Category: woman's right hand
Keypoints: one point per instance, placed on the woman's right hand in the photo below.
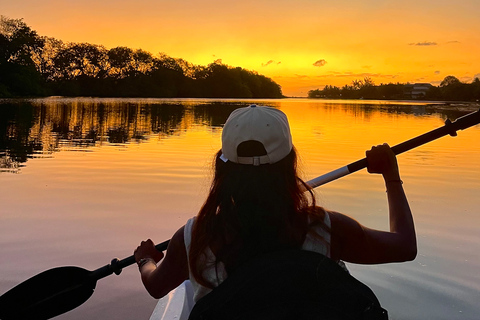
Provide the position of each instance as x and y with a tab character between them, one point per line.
381	159
146	249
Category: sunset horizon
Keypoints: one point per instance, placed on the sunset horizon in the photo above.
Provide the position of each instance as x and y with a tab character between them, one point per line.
302	46
332	144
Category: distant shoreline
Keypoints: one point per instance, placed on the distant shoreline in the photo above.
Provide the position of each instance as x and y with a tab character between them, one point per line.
462	106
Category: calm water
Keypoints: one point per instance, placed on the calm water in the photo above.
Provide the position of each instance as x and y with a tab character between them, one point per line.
85	180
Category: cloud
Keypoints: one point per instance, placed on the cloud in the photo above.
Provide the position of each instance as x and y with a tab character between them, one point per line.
476	76
320	63
269	62
437	72
424	43
454	41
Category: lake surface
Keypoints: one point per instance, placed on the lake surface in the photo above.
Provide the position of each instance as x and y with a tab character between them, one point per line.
84	180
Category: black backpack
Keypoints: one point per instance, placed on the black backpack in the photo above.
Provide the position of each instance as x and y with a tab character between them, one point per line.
293	284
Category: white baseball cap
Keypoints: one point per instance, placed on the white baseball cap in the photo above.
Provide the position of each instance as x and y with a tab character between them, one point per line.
266	125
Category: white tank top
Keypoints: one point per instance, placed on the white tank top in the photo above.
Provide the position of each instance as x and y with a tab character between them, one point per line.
316	240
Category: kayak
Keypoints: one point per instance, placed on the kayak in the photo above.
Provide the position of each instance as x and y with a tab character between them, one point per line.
175	305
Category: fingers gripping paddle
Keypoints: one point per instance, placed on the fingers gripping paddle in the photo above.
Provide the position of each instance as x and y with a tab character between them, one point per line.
57	290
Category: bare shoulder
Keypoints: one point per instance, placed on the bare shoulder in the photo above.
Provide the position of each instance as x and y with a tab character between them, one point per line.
341	221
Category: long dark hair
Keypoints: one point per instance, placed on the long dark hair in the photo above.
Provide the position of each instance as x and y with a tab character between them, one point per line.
249	211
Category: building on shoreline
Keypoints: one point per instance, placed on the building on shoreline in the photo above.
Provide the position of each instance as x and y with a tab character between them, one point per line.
416	90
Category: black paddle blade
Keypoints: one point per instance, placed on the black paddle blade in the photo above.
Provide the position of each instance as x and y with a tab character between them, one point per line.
47	294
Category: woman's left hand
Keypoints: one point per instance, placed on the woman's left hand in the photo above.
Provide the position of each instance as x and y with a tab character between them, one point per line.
146	249
381	159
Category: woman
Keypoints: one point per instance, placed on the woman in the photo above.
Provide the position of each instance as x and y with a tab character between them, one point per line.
257	204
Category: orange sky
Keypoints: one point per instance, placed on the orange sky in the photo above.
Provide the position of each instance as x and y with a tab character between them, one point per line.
302	44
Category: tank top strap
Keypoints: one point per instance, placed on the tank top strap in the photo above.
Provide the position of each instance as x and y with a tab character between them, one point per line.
318	237
187	233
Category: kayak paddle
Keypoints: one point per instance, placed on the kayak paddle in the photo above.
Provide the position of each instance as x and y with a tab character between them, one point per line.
57	290
62	289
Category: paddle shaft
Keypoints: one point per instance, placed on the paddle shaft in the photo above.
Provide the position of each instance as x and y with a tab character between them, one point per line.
450	128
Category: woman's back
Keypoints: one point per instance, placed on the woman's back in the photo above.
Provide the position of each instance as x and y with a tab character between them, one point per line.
317	239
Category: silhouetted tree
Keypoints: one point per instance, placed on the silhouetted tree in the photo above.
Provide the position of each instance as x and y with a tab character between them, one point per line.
451	88
350	91
120	59
391	91
315	93
77	60
449	81
142	62
44	59
18	43
329	92
367	89
30	64
476	89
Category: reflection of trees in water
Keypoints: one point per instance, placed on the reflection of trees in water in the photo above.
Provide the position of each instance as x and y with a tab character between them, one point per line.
7	164
38	128
90	124
166	119
15	146
42	127
366	110
214	114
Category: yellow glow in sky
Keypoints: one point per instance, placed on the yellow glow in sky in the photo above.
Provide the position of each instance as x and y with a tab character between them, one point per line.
302	44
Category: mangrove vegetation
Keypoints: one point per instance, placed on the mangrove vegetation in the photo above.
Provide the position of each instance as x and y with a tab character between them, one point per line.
35	65
450	89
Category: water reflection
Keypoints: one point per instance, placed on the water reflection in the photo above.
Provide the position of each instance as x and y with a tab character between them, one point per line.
148	169
30	129
38	128
366	109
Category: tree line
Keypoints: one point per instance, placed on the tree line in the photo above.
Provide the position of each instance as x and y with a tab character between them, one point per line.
450	89
34	65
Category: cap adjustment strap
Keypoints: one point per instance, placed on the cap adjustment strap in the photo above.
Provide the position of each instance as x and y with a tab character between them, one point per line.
256	161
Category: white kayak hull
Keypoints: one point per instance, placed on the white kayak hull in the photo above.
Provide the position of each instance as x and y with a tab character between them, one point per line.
175	305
